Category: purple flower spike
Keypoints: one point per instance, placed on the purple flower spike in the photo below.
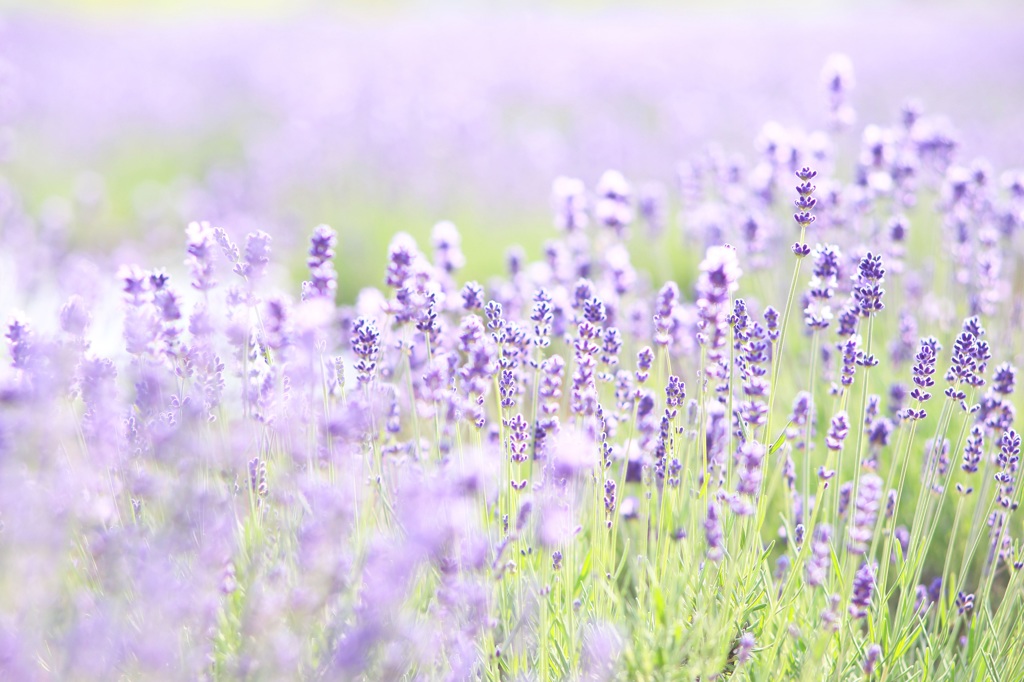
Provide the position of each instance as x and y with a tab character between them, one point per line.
867	289
713	534
862	525
837	432
366	347
871	657
863	588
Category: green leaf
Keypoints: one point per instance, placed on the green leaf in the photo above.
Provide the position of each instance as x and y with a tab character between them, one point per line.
780	440
584	572
992	668
906	642
622	561
659	604
837	567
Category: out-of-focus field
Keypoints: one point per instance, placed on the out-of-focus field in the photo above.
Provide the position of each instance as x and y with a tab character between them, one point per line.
127	123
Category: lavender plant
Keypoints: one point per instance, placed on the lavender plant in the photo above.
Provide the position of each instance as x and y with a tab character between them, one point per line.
575	471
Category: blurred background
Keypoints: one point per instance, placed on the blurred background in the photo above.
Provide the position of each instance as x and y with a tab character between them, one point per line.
123	121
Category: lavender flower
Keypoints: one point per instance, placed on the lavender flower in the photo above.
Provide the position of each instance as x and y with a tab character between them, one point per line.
448	255
837	432
472	297
1008	460
613	209
201	255
863	588
745	648
569	198
837	77
970	358
366	347
719	277
820	559
871	657
609	501
323	279
973	450
749	459
806	201
1004	379
964	603
664	316
867	290
818	314
74	317
254	262
862	525
713	533
923	371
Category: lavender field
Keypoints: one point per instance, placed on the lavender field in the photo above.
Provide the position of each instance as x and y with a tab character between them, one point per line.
547	344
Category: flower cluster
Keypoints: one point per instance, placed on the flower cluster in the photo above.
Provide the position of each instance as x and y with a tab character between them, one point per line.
578	469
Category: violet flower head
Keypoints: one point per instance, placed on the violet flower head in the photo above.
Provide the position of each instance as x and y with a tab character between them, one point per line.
495	319
569	196
613	208
803	408
472	296
973	450
675	392
719	278
518	438
594	311
880	432
923	371
609	501
227	247
74	316
1004	379
818	313
1008	461
19	342
200	247
256	258
664	310
871	657
713	533
749	458
964	603
402	254
720	274
542	315
323	278
838	80
771	322
805	199
848	319
134	284
969	360
448	256
869	496
366	347
745	648
644	362
863	589
804	203
837	431
652	206
820	559
867	285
